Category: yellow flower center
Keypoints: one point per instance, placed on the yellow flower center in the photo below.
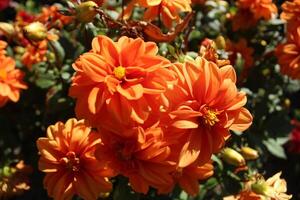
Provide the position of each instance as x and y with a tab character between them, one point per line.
71	162
210	117
3	74
120	72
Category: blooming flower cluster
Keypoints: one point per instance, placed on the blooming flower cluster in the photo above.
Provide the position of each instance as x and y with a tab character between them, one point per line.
158	123
143	98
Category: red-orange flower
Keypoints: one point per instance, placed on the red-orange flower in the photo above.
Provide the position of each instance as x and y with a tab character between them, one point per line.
288	55
208	106
260	8
11	81
52	17
67	158
142	156
35	53
246	52
291	13
243	19
119	82
167	10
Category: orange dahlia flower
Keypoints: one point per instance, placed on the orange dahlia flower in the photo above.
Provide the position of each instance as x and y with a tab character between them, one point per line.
246	52
11	81
119	81
210	105
143	157
67	158
288	55
167	10
260	8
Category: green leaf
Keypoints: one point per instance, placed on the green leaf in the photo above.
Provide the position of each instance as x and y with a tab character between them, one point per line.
58	51
218	161
275	148
44	83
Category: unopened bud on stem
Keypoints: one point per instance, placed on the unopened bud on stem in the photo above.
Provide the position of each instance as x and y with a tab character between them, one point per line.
86	11
36	31
232	157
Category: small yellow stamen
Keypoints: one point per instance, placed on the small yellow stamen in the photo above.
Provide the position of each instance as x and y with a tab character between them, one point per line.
120	72
210	117
3	74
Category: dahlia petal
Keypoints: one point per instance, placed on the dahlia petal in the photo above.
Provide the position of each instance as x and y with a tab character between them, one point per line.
95	67
151	47
84	186
185	124
104	46
153	176
239	101
206	145
191	150
48	166
226	95
190	185
140	111
133	92
62	186
185	113
228	72
203	172
138	184
131	52
243	120
14	95
120	109
48	149
93	105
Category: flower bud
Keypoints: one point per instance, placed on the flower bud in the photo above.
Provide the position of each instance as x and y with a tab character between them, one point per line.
35	31
7	29
249	153
220	42
86	11
6	171
232	157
